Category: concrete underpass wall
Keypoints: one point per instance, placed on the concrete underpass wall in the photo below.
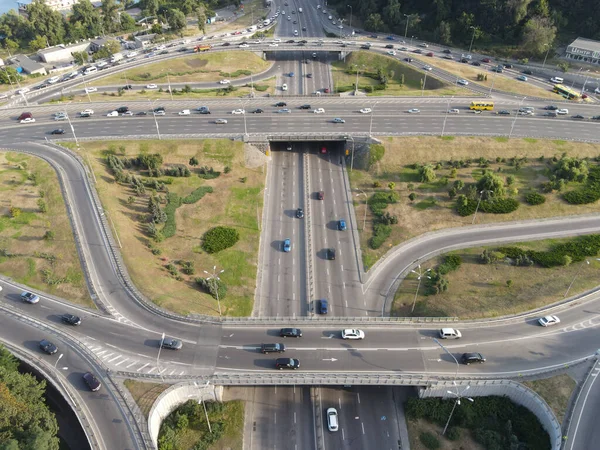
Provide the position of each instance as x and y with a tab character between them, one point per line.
518	393
177	395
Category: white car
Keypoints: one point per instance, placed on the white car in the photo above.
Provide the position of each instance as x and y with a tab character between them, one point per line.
277	40
332	419
463	82
25	90
127	113
548	321
132	54
365	111
453	111
160	113
273	44
60	118
428	68
289	17
238	111
224	82
28	120
160	47
562	112
330	17
319	111
87	112
113	114
53	80
89	90
353	334
151	86
391	52
284	87
597	90
414	111
340	27
244	45
185	112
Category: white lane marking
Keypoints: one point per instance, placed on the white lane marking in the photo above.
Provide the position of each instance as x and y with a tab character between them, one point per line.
358	396
115	358
142	367
151	370
112	346
102	352
180	363
108	356
294	416
363	427
127	367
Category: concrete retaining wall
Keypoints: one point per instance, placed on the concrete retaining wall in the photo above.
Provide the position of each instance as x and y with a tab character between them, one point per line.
515	391
177	395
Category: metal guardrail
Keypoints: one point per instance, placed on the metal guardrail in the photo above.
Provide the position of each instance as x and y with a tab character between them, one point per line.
309	262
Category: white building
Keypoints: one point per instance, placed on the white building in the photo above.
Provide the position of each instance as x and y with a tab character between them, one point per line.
57	5
584	50
62	52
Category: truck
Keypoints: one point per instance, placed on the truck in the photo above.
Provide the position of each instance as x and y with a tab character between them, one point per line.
116	57
202	48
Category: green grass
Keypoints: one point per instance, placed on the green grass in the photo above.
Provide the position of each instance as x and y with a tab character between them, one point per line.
424	204
219	150
501	139
530	140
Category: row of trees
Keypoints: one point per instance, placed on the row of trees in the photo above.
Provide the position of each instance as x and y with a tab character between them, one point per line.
531	24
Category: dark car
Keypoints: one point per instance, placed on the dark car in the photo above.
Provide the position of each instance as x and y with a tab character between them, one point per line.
464	61
448	57
486	60
171	344
226	44
527	72
203	110
504	112
128	87
279	104
374	36
303	28
25	115
58	131
508	66
287	363
272	348
290	332
408	59
447	51
164	52
300	213
550	114
330	253
92	382
159	108
417	50
71	319
365	47
320	195
304	41
389	46
471	358
322	306
304	106
142	113
309	75
497	69
430	54
390	38
551	108
183	49
122	109
476	63
596	118
257	111
577	116
48	347
291	41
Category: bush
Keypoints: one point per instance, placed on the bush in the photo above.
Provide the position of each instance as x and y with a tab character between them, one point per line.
429	440
213	286
376	152
15	212
499	206
465	206
197	194
173	202
380	233
535	198
219	238
450	263
187	267
42	205
49	235
379	201
453	434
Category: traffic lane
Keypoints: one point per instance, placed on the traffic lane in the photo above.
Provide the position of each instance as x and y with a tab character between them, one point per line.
103	408
583	431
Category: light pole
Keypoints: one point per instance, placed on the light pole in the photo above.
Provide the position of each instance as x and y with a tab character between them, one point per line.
451	355
244	114
350	6
203	405
478	202
584	83
407	20
356	84
154	114
86	89
544	63
472	37
352	159
18	84
419	276
372	114
458	396
492	86
74	135
446	116
576	275
516	115
423	87
169	83
578	72
366	198
162	339
215	276
411	39
58	359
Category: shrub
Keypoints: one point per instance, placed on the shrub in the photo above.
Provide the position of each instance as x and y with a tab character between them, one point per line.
465	206
49	235
15	212
196	194
42	205
535	198
499	206
450	263
379	201
380	233
429	440
453	434
219	238
412	196
187	267
426	173
226	169
173	202
156	251
213	286
376	152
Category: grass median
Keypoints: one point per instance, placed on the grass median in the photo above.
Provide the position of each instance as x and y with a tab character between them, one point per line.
157	268
37	247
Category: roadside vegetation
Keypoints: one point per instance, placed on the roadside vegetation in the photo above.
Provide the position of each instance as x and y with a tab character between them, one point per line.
180	208
510	180
186	427
492	422
37	247
383	75
145	394
556	391
500	280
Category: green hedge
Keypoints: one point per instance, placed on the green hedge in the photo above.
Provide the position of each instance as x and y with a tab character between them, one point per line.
380	233
590	193
173	202
450	263
535	198
465	206
379	201
499	206
197	194
376	152
219	238
495	421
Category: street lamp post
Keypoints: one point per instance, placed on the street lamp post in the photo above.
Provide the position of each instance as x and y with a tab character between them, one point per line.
74	135
446	115
419	276
516	115
411	39
215	275
423	87
203	405
544	63
154	114
58	359
407	20
169	83
365	217
352	158
492	86
576	275
86	89
478	202
244	114
162	339
350	6
584	83
372	114
472	37
458	396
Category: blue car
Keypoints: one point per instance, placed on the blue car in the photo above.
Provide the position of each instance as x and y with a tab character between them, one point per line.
291	74
342	225
287	246
391	38
323	306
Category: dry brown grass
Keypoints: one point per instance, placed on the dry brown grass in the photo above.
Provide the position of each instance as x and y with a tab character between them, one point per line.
480	290
145	394
416	427
205	67
556	391
433	209
502	82
233	203
24	236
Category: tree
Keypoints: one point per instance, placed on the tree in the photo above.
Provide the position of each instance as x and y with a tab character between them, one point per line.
443	32
127	22
80	57
491	185
374	22
193	161
110	14
149	7
392	13
156	28
201	15
38	43
9	75
11	45
176	20
107	50
87	17
426	173
45	22
538	33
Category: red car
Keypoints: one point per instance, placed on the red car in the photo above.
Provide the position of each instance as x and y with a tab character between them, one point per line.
327	90
323	150
486	60
429	54
321	195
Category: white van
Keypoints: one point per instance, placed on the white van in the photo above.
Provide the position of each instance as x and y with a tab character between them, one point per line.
89	70
53	80
557	80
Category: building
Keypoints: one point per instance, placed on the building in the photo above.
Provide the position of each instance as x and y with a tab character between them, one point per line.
584	50
98	43
57	5
144	41
62	52
27	65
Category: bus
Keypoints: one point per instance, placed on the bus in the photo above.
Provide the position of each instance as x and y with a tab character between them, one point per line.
202	48
482	105
566	92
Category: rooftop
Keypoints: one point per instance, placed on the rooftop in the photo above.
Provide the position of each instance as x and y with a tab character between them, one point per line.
586	44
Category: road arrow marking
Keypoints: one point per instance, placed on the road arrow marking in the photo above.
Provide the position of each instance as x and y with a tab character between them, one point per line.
330	359
327	337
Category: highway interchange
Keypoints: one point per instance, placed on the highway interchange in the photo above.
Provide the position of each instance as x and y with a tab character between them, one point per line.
126	340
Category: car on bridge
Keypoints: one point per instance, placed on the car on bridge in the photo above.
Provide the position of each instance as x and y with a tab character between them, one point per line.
338	120
414	111
322	306
30	297
353	334
300	213
71	319
272	348
471	358
203	110
58	131
287	363
319	111
284	111
449	333
463	82
548	321
238	111
48	347
304	106
332	419
27	120
562	111
342	225
330	254
365	110
171	344
279	104
257	111
290	332
287	245
522	78
220	121
151	86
